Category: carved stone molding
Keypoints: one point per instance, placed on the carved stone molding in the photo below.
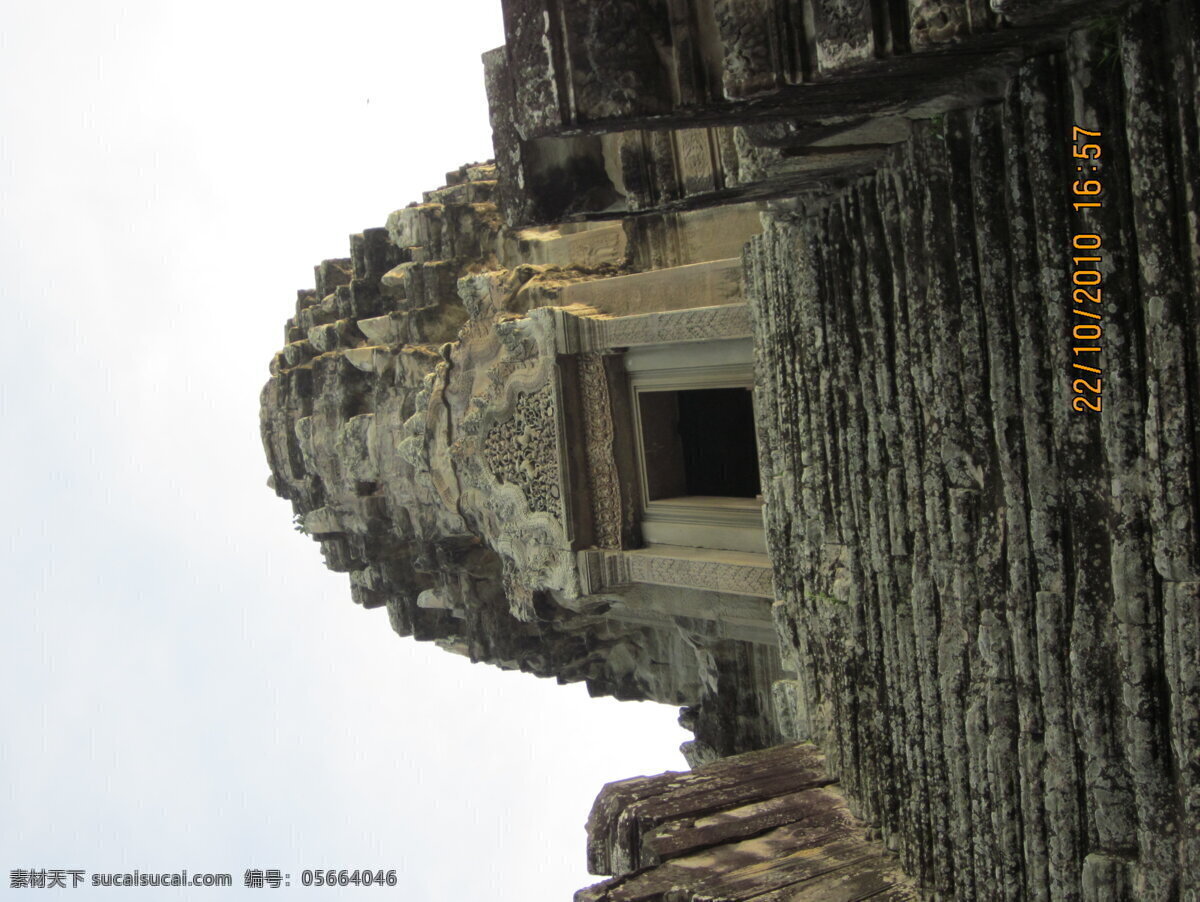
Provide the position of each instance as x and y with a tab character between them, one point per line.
714	575
601	463
696	324
750	46
693	568
581	334
600	570
845	33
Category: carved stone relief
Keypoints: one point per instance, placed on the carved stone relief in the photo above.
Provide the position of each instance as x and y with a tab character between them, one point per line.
750	57
717	576
603	570
502	406
521	451
936	22
602	466
845	33
589	332
694	160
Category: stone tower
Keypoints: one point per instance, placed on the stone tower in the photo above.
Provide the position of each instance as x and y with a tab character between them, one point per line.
828	368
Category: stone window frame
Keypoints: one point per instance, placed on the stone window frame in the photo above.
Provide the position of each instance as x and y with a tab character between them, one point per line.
718	523
604	462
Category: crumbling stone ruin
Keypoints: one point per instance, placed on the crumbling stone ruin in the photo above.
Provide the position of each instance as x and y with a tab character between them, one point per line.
450	418
827	368
767	825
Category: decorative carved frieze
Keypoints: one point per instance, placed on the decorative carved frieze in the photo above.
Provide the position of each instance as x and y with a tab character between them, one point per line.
711	571
581	334
602	465
696	324
715	575
522	451
845	36
749	41
600	570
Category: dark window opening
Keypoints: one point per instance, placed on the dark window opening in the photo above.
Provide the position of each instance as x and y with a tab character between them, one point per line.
699	442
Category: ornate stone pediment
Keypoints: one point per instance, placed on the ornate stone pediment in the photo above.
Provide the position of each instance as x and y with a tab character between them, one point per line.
492	446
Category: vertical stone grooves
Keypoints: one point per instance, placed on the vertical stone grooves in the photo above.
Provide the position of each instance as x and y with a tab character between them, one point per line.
997	597
1032	471
880	400
1046	136
1170	434
923	492
1003	512
1182	614
946	446
840	566
909	754
1107	461
962	691
1181	601
1155	176
866	528
849	434
870	514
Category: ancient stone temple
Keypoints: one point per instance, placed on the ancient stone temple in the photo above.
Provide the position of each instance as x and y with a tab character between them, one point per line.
830	369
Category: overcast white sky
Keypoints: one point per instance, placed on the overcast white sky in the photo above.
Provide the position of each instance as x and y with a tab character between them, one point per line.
184	684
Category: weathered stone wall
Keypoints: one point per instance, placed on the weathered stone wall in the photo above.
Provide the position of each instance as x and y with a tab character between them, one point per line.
694	102
765	826
994	600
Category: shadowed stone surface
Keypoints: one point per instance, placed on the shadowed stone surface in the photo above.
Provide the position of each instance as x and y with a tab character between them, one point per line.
992	597
762	825
604	107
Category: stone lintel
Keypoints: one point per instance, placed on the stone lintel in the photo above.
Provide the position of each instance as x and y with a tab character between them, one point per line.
589	334
733	572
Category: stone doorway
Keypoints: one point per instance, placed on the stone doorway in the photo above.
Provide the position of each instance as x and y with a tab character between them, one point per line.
699	442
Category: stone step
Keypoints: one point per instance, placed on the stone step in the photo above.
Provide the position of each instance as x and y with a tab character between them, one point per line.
479	192
332	336
694	236
332	273
709	284
414	285
382	330
375	359
445	231
588	248
768	825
